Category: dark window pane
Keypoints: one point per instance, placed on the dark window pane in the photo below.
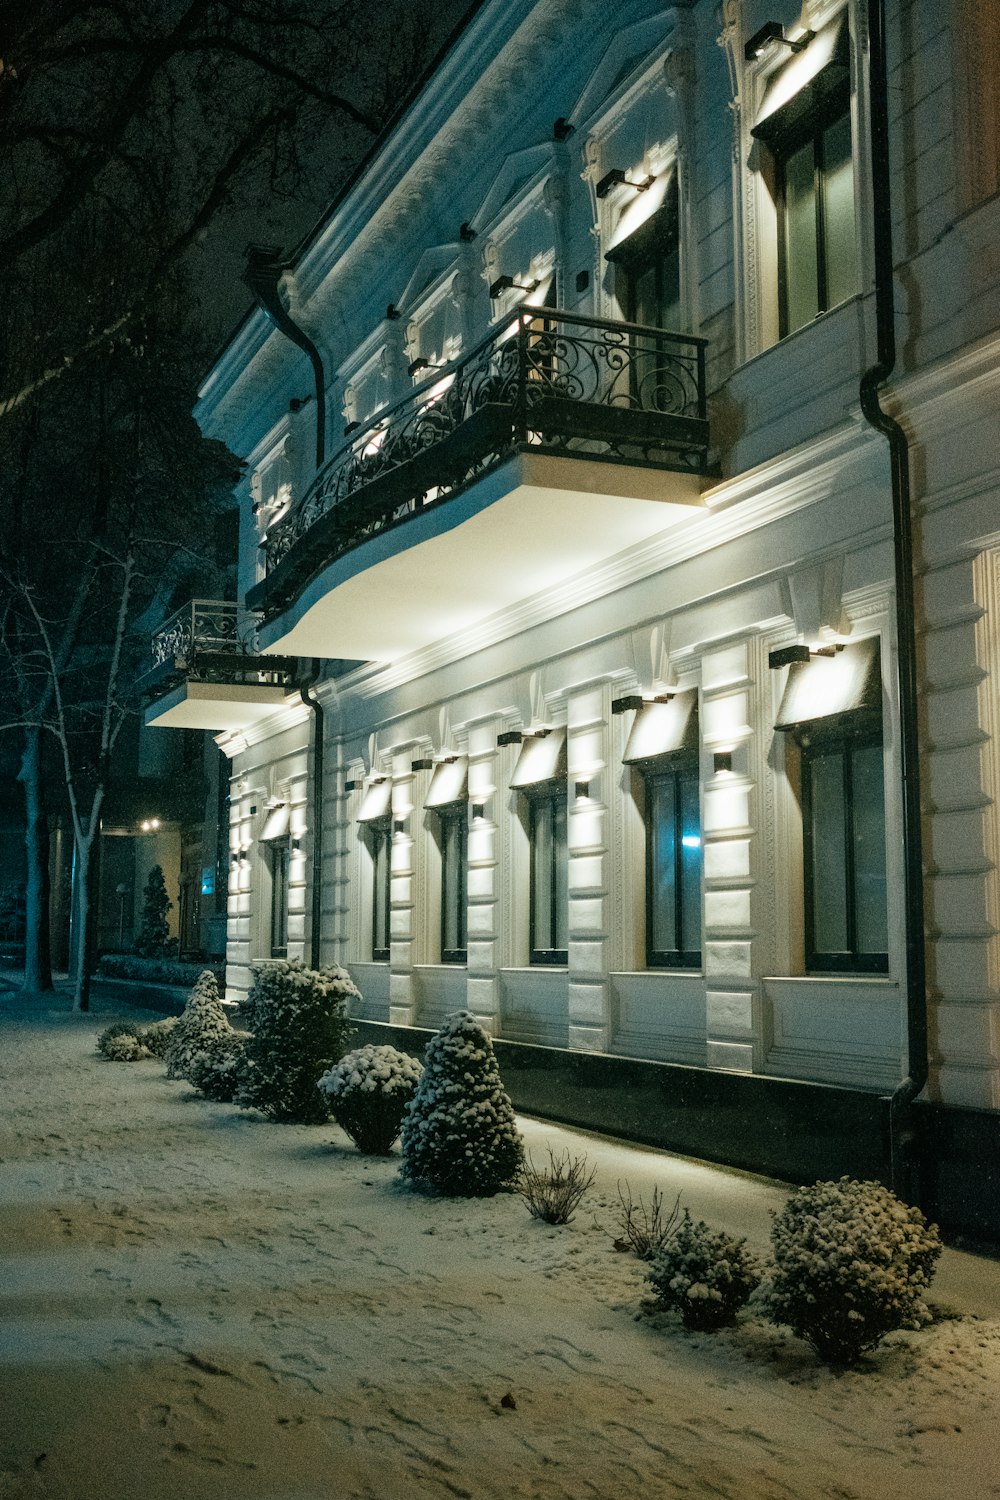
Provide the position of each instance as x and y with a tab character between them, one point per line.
662	865
279	900
381	876
453	884
691	862
560	926
829	856
800	248
838	213
869	850
549	875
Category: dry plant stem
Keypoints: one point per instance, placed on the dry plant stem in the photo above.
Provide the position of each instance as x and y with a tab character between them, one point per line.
647	1229
554	1195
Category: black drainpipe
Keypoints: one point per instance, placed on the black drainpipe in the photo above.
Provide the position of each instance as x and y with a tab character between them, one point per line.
316	879
900	1139
264	269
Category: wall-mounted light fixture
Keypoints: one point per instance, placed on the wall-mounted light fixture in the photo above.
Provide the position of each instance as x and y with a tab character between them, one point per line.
150	825
562	129
351	427
508	284
423	764
722	761
623	704
466	233
416	365
617	178
772	33
392	312
509	737
785	656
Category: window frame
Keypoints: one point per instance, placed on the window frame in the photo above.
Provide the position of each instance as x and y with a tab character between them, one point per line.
682	767
379	836
846	734
455	816
551	794
279	861
783	144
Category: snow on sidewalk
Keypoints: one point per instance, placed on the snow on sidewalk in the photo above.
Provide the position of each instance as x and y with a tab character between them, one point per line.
197	1303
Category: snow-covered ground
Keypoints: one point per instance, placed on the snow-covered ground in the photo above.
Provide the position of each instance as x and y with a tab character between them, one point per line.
199	1304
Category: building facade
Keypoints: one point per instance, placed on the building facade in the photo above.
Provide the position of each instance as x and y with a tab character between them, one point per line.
574	694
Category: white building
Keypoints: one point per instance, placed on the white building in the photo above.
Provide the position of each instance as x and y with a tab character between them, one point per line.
596	586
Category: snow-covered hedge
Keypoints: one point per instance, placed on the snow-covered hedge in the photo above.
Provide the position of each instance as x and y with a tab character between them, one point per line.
852	1263
216	1069
368	1092
120	1042
459	1134
154	970
156	1036
299	1020
203	1021
705	1274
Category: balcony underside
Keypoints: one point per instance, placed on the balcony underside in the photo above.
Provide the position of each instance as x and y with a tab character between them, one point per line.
218	706
534	522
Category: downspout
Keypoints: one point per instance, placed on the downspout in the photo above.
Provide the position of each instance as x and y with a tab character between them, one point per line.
316	880
906	644
264	270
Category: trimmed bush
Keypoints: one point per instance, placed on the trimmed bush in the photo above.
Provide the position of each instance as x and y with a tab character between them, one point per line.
368	1092
852	1263
155	970
203	1021
298	1017
217	1069
156	1036
120	1042
459	1135
704	1273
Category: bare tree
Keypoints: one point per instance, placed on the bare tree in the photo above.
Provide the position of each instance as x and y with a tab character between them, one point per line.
173	113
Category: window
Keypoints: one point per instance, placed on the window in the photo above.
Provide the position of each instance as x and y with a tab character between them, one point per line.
843	848
279	856
647	268
454	851
673	867
448	795
375	818
380	847
805	122
541	774
663	747
549	894
832	706
817	260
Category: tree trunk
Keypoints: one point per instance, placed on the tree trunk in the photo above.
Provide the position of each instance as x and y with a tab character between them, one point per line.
87	906
37	952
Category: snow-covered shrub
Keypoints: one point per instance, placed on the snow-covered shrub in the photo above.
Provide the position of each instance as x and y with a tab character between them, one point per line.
203	1021
459	1134
852	1263
705	1273
553	1194
120	1042
368	1092
156	1036
216	1069
298	1017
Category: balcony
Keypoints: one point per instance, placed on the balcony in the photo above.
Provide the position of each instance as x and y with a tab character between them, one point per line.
556	444
204	675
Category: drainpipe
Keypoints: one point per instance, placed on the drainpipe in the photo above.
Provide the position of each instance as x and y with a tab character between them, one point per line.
316	880
264	270
901	1162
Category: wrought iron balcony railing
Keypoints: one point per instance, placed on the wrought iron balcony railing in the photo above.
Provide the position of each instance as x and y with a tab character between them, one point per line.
612	392
210	640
